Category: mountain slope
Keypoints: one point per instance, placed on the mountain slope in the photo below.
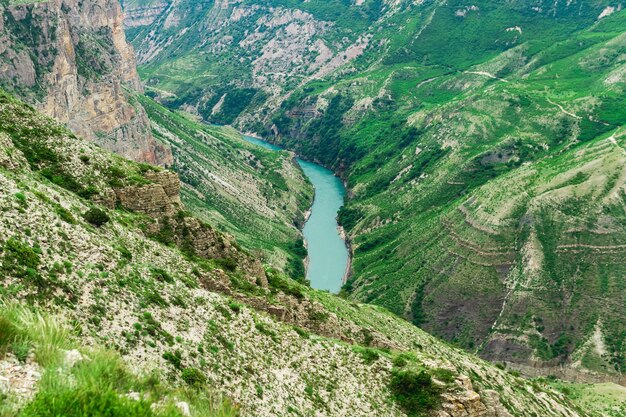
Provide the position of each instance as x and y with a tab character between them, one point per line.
190	304
257	196
482	144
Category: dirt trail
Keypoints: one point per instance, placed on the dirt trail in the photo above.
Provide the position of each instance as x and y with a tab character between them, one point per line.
575	116
486	74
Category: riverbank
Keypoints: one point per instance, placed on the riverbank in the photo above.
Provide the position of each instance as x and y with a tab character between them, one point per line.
329	260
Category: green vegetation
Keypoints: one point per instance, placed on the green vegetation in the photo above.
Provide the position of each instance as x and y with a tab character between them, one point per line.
482	145
98	384
166	306
96	217
234	185
596	399
415	392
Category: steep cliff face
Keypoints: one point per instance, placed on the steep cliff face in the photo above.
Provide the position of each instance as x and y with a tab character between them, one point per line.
142	14
71	60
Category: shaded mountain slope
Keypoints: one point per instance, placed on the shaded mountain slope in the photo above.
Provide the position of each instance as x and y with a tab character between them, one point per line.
257	196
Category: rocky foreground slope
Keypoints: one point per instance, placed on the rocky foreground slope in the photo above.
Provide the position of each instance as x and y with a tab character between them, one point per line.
107	244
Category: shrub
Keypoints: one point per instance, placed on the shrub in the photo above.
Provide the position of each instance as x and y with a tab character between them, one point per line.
235	306
301	332
227	264
414	392
400	361
65	215
126	254
263	329
8	333
153	297
19	253
174	358
96	217
21	349
369	355
161	275
193	377
444	375
21	260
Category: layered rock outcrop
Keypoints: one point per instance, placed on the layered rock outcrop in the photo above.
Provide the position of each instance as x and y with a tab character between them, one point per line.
158	199
70	59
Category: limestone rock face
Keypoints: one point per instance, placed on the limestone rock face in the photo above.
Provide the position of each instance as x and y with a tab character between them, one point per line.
158	199
70	59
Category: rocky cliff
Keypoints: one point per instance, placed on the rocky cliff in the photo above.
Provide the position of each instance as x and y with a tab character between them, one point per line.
70	59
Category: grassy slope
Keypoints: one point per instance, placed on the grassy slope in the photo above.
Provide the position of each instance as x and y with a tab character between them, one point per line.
151	303
604	399
475	155
257	196
471	243
76	380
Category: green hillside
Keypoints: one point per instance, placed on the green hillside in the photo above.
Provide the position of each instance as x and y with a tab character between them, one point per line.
257	196
482	143
98	255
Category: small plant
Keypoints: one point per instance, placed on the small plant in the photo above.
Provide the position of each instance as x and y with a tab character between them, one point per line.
369	355
96	217
125	253
227	264
235	306
21	348
65	214
161	275
21	198
22	329
319	316
193	377
21	260
301	332
263	329
8	333
444	375
153	297
174	358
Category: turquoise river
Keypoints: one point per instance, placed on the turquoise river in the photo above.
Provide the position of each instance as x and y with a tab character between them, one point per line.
328	253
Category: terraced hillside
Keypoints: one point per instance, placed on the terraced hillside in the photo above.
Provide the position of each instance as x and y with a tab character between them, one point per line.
482	143
106	244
